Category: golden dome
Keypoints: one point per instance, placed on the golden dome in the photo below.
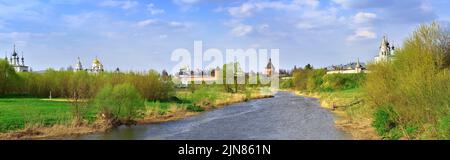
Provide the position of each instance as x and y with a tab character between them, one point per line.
96	61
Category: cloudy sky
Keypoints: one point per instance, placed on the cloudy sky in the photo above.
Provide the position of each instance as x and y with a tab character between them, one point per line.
141	34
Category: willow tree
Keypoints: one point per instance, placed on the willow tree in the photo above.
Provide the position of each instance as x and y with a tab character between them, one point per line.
8	77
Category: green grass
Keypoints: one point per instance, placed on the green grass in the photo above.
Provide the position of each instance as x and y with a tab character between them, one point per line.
351	101
15	113
345	95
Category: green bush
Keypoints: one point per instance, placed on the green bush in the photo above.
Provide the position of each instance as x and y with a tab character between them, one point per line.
121	104
443	128
318	80
68	84
194	108
342	81
287	84
308	79
205	96
383	120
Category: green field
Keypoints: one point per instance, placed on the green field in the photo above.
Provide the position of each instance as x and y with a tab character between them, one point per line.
15	113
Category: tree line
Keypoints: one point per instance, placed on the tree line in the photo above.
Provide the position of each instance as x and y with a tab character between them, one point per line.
308	79
68	84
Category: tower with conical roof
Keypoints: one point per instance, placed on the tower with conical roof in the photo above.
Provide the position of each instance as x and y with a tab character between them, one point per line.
359	68
23	60
78	65
269	68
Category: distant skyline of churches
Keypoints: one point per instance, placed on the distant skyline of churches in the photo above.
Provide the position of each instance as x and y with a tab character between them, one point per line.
386	53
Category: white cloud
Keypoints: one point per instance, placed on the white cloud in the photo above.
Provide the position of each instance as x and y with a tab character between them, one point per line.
186	5
128	4
163	36
23	10
21	35
305	25
361	34
240	30
21	39
343	3
241	11
176	24
79	19
255	45
153	10
319	19
359	4
363	17
146	23
185	2
248	8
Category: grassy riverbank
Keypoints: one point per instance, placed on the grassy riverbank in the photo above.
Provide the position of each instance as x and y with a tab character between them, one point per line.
353	115
34	118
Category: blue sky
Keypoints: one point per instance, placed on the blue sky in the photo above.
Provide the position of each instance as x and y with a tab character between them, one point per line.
141	34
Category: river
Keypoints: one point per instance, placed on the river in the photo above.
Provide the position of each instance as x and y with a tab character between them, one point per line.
284	117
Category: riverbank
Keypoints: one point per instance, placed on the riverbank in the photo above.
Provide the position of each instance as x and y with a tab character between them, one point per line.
352	115
155	113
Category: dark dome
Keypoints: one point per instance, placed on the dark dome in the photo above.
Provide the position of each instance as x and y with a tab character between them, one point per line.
270	65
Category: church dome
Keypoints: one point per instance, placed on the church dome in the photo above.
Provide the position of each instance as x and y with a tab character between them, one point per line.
96	61
270	65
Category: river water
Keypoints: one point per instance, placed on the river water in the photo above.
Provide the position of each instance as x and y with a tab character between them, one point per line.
284	117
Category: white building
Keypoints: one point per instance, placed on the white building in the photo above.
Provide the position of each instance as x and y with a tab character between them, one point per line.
186	76
386	52
16	62
96	67
78	66
351	68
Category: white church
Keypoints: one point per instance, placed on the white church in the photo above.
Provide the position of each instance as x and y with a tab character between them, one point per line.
386	52
18	63
97	66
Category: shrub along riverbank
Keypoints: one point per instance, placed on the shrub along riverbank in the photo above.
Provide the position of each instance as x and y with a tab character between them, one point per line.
410	95
405	98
